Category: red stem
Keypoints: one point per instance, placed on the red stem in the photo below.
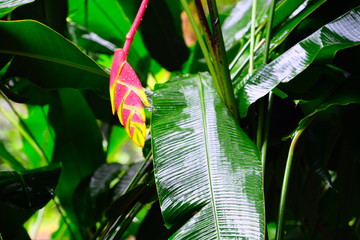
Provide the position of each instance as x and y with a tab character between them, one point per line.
134	27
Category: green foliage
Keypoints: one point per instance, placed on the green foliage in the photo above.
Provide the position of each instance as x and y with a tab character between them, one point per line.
213	157
28	41
320	46
200	175
31	189
8	6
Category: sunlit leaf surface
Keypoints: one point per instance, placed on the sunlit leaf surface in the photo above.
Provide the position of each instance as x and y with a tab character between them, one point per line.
8	5
342	33
291	13
238	23
288	14
207	170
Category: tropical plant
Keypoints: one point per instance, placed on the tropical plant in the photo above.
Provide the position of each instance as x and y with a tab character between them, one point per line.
251	131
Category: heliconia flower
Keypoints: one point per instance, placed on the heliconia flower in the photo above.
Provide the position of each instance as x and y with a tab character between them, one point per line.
128	98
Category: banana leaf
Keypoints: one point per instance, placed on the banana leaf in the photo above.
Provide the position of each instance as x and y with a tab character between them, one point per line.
288	15
341	33
207	171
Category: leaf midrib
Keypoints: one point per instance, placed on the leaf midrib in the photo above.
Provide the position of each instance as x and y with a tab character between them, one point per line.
206	140
55	60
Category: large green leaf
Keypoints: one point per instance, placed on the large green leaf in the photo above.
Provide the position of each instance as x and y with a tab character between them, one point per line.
57	61
31	189
78	144
6	6
341	33
206	168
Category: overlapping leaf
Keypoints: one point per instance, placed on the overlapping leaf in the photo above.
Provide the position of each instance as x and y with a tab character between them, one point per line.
339	34
207	170
290	14
58	63
346	94
29	189
287	16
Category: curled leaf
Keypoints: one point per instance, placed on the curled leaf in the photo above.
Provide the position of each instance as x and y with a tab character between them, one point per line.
128	98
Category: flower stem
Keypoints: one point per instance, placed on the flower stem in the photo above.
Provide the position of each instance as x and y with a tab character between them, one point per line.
130	35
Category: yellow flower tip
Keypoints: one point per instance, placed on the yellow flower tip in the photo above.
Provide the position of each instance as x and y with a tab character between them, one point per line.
139	142
146	102
112	98
139	137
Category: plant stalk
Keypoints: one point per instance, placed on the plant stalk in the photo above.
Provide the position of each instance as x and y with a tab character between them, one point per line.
221	62
270	96
243	49
240	69
140	172
200	40
252	36
86	14
268	32
58	207
260	125
124	226
264	146
280	221
204	24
